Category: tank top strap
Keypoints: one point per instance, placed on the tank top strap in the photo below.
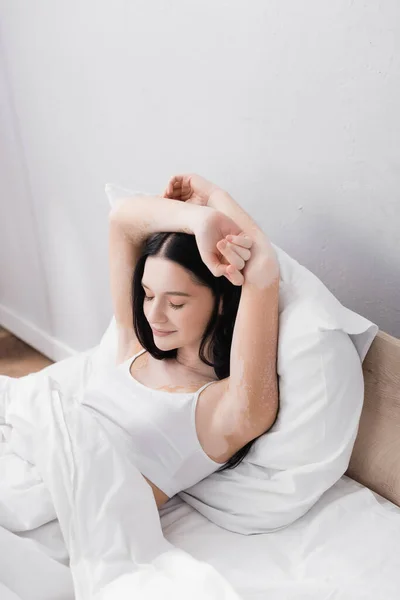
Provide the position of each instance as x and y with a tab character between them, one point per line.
197	393
126	364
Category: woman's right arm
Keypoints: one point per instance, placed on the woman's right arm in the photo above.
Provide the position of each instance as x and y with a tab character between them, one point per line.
123	256
138	218
130	223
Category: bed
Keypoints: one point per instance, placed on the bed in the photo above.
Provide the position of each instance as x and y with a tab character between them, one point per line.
347	547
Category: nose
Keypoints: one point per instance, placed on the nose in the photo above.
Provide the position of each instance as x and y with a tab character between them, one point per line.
155	312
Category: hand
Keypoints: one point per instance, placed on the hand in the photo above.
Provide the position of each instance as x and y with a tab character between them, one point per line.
235	248
221	256
189	188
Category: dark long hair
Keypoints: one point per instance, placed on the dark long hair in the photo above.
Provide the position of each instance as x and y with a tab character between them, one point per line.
182	249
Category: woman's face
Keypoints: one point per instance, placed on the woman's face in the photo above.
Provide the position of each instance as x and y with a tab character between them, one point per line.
174	303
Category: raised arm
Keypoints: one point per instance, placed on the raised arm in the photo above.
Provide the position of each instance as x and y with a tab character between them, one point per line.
251	404
141	216
250	400
131	221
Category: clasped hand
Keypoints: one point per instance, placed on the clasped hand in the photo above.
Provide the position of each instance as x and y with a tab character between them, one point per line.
223	246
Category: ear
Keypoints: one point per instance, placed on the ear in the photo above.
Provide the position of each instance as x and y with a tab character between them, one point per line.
220	306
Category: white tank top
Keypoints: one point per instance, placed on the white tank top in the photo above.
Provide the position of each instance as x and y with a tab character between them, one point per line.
160	426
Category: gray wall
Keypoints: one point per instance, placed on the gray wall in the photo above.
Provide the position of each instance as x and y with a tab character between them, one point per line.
290	106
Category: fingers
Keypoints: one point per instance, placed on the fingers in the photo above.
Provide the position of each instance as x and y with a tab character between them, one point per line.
175	182
172	182
242	252
242	240
234	275
179	188
168	190
231	251
226	248
230	272
174	189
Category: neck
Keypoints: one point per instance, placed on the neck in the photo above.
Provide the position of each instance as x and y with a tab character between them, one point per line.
188	359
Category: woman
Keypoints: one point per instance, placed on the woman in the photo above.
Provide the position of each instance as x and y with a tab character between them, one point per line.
195	285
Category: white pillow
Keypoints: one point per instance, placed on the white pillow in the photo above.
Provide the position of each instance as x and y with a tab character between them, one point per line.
321	348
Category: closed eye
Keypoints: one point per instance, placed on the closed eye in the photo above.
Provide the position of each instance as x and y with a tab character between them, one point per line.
174	306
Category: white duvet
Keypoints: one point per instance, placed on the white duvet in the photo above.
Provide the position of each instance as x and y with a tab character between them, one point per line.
57	462
78	521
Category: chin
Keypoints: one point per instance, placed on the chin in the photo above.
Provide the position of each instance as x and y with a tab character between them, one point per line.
162	340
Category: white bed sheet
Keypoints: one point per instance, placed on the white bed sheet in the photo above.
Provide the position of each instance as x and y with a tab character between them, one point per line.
347	547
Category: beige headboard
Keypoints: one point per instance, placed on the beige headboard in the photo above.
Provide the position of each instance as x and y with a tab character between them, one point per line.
375	461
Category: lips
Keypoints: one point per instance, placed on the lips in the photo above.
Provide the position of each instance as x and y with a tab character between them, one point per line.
161	330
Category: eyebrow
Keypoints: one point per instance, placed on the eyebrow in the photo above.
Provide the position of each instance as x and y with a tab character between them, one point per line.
170	293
